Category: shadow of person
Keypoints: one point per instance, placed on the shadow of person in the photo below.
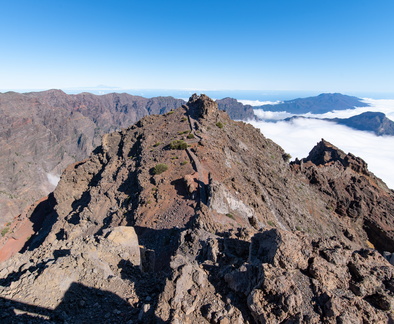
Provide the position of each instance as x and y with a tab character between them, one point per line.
80	304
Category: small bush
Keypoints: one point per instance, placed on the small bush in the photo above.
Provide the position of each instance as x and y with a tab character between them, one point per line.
170	112
183	119
178	145
286	157
271	223
5	231
191	135
156	144
219	124
184	162
160	168
230	216
184	132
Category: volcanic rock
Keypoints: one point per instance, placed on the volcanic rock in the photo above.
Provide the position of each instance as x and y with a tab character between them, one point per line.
228	232
354	193
43	132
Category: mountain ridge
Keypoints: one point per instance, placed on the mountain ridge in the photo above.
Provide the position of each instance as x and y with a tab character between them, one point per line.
320	104
227	231
43	132
370	121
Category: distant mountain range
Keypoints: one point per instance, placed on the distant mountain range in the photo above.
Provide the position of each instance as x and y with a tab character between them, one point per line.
320	104
369	121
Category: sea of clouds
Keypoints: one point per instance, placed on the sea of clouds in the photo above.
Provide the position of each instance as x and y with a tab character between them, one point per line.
299	136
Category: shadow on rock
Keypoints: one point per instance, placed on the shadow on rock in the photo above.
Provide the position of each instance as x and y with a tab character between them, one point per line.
80	304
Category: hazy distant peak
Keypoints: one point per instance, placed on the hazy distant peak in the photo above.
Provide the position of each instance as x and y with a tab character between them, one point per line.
320	104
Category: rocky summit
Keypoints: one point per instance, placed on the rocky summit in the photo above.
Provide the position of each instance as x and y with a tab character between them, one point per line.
190	217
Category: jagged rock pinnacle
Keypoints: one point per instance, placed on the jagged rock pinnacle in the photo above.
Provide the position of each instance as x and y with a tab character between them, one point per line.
202	106
324	152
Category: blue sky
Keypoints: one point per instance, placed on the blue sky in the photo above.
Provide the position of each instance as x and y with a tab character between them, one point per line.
320	45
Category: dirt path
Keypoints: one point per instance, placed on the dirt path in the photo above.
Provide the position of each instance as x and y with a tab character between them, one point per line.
200	170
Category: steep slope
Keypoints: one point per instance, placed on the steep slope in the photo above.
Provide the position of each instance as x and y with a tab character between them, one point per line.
320	104
43	132
226	230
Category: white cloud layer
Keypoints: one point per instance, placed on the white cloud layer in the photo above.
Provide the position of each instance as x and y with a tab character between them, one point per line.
53	179
258	102
299	136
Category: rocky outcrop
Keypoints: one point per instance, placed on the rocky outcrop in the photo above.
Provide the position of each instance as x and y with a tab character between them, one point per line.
225	232
202	107
355	194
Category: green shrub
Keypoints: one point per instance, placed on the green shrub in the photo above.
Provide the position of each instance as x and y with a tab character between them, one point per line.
178	145
160	168
286	157
271	223
5	231
184	162
156	144
170	112
190	136
183	119
230	215
184	132
219	124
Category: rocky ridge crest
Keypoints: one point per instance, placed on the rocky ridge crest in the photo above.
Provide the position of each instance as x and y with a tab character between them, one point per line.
43	132
228	232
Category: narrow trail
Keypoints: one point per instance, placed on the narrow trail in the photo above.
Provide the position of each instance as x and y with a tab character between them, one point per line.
202	174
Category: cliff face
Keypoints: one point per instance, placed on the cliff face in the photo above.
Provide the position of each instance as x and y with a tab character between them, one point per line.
226	230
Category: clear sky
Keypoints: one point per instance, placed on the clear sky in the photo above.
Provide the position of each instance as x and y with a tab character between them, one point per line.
323	45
